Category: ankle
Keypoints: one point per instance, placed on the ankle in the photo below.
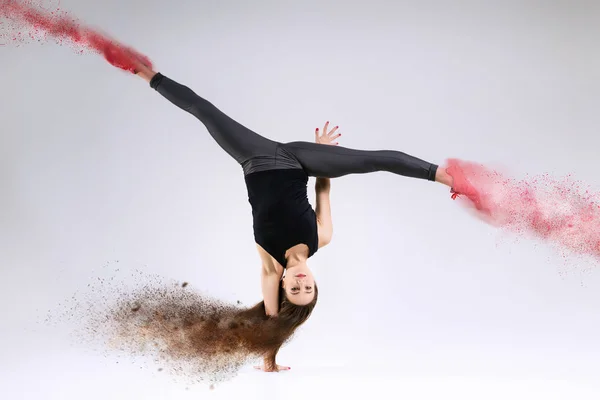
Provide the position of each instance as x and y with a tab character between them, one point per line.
442	176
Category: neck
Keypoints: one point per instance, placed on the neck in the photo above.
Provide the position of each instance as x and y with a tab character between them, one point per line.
295	256
293	260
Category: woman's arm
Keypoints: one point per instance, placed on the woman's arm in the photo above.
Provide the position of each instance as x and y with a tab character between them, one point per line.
270	291
270	288
323	211
323	186
270	278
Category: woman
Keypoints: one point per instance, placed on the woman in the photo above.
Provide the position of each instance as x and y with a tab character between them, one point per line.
287	231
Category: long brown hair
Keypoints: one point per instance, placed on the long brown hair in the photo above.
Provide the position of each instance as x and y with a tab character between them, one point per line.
272	332
200	336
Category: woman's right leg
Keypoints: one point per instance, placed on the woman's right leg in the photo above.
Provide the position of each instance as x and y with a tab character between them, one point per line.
238	141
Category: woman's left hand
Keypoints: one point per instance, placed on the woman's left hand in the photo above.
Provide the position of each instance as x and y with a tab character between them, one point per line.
327	136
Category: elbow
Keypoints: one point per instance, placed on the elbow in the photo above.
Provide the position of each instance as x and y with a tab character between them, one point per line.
328	236
325	238
325	230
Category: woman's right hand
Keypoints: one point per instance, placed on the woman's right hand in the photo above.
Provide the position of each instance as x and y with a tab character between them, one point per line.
270	363
267	367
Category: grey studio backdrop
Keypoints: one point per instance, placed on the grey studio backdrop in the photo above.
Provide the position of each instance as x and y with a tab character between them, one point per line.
97	168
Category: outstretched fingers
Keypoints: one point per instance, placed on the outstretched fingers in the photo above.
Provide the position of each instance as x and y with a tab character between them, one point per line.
327	136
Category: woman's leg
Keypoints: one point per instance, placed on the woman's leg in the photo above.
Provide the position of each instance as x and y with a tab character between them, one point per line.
335	161
238	141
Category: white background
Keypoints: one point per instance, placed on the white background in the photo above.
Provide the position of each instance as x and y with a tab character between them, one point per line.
417	299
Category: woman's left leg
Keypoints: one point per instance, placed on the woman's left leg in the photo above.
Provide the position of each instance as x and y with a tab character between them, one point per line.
334	161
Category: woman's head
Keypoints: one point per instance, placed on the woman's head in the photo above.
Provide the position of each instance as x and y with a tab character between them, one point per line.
295	313
299	285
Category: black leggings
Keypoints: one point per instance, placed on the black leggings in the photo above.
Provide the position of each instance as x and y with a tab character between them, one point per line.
256	153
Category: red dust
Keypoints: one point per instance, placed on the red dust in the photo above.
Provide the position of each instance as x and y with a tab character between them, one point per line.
56	24
560	212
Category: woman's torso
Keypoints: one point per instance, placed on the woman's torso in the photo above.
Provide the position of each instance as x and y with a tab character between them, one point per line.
282	215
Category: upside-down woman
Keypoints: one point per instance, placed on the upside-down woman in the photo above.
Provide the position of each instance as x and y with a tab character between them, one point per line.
287	230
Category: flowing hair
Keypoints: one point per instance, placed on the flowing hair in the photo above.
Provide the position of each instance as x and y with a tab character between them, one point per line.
199	336
272	332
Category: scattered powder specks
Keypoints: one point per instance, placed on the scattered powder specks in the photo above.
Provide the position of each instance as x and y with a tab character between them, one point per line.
26	21
561	212
189	334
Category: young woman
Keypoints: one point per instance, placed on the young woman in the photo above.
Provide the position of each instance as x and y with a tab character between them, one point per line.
287	230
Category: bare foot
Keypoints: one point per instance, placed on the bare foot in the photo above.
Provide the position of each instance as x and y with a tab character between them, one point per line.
126	58
442	176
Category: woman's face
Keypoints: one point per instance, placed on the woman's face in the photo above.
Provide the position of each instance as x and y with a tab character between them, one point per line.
299	285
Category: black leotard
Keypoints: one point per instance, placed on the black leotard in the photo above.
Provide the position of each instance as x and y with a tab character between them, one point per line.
281	213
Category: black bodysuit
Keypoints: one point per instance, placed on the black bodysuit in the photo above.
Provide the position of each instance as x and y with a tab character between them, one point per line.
281	213
276	173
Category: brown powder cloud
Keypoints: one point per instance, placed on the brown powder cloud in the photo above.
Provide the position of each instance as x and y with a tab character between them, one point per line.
188	333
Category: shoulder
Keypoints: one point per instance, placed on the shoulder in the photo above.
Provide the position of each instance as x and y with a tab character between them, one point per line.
269	265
